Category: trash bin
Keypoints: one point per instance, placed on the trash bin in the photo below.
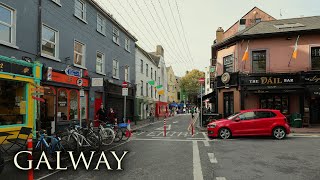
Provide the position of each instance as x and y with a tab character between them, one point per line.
208	117
296	120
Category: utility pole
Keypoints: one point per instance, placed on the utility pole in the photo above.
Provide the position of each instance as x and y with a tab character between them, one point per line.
201	81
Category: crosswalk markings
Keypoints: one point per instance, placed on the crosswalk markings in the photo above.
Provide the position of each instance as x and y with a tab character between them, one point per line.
168	128
212	158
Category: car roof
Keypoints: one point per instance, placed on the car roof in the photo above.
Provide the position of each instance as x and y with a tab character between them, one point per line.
247	110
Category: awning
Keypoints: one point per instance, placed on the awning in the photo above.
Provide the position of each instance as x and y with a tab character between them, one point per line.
275	89
208	96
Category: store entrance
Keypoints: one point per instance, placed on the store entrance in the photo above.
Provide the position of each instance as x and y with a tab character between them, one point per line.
228	104
48	110
315	111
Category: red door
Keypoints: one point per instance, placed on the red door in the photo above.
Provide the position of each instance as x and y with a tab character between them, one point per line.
97	104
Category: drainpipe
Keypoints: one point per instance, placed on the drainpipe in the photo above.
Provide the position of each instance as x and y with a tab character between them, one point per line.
39	27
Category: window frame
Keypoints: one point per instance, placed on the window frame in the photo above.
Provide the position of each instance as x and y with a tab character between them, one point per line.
151	71
233	63
116	35
103	63
84	11
12	26
127	76
83	65
103	25
266	60
313	46
141	66
147	89
147	69
141	88
56	43
127	44
117	69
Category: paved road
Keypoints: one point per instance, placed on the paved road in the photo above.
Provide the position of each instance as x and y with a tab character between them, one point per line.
181	156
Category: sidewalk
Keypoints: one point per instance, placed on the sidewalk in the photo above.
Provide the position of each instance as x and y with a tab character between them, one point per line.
306	130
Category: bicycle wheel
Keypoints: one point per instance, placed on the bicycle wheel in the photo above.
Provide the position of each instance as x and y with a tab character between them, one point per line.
117	135
94	138
73	143
107	136
125	134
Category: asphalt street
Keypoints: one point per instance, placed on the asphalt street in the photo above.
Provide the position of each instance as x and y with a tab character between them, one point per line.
179	155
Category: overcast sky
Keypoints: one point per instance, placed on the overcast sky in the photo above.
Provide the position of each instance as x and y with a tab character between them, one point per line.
156	22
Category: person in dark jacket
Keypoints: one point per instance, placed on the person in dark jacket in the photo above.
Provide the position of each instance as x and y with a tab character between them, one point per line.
111	116
101	113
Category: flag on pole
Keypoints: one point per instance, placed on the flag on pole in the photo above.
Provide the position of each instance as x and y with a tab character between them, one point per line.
160	89
246	53
151	82
295	51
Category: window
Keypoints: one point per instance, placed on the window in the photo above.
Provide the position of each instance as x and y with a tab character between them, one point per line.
13	104
147	89
57	2
115	69
49	45
74	102
101	24
155	75
7	25
258	20
279	102
259	61
264	114
115	35
80	9
315	58
127	44
151	89
159	81
247	116
141	88
100	63
151	73
147	70
79	54
141	66
127	74
228	64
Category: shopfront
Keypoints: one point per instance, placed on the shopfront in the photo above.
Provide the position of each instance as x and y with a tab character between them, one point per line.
65	98
161	109
283	92
18	82
312	98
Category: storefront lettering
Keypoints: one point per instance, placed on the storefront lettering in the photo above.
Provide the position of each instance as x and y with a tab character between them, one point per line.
270	80
313	79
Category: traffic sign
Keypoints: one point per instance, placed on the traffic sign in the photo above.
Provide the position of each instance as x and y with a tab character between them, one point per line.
72	72
124	84
79	82
38	99
201	80
124	91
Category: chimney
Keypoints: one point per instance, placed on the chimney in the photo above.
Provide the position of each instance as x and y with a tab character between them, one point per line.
219	35
159	50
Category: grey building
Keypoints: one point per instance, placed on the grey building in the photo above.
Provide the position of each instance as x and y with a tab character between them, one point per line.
86	55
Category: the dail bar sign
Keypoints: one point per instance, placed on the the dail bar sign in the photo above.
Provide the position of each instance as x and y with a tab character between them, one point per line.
270	80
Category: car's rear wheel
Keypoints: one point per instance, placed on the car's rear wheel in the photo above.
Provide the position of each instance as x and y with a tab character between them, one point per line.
224	133
279	133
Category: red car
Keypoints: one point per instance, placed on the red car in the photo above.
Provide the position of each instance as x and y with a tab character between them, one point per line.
253	122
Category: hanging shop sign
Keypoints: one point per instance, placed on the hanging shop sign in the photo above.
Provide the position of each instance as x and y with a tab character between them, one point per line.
312	78
227	80
49	74
271	79
72	80
15	68
97	82
72	72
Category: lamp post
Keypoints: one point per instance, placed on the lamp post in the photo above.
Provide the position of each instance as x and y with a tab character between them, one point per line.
201	81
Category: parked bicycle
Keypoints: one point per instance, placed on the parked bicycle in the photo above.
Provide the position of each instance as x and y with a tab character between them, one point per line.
1	162
107	133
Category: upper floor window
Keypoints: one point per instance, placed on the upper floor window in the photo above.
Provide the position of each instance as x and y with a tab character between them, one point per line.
127	44
115	35
147	70
7	25
147	89
141	66
151	91
315	58
100	63
49	45
141	88
79	53
259	61
115	69
155	75
127	74
80	9
151	73
101	24
228	64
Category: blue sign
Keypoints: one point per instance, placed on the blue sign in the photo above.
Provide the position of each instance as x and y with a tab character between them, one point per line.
72	72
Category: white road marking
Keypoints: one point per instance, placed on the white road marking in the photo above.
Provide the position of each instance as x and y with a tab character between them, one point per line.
164	139
160	137
212	158
206	143
175	122
172	133
138	134
197	171
180	134
168	127
196	139
221	178
151	133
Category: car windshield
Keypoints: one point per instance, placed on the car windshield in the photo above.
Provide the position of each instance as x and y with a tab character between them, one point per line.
233	115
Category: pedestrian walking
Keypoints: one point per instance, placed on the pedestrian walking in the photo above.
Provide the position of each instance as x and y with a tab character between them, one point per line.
111	116
102	113
192	112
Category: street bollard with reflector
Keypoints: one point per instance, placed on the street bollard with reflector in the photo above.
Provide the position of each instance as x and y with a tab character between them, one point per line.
164	127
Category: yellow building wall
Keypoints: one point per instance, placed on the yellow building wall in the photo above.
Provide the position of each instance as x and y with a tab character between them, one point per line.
172	93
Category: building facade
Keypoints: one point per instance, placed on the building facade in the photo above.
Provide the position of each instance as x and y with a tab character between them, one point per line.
86	55
172	86
270	64
147	79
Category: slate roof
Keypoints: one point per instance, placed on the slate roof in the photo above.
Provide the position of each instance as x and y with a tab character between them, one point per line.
155	57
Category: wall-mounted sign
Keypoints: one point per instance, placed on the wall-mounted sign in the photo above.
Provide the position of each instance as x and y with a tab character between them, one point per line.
15	68
125	92
62	103
311	78
225	78
49	74
79	82
72	72
270	79
97	82
62	78
228	64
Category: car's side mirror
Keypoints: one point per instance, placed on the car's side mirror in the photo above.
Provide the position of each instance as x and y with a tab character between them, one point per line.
237	119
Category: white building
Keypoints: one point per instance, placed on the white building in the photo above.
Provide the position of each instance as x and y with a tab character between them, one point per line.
207	87
146	71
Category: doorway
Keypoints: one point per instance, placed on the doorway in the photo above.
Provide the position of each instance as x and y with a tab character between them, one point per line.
97	101
315	111
228	104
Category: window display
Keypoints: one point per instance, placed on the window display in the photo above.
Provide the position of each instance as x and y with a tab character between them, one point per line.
74	104
62	104
279	102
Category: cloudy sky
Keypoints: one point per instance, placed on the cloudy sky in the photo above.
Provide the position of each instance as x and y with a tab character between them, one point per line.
186	28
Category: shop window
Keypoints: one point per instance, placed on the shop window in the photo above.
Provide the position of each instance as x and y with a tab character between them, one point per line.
278	102
228	64
62	110
259	61
12	102
74	102
315	58
84	108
